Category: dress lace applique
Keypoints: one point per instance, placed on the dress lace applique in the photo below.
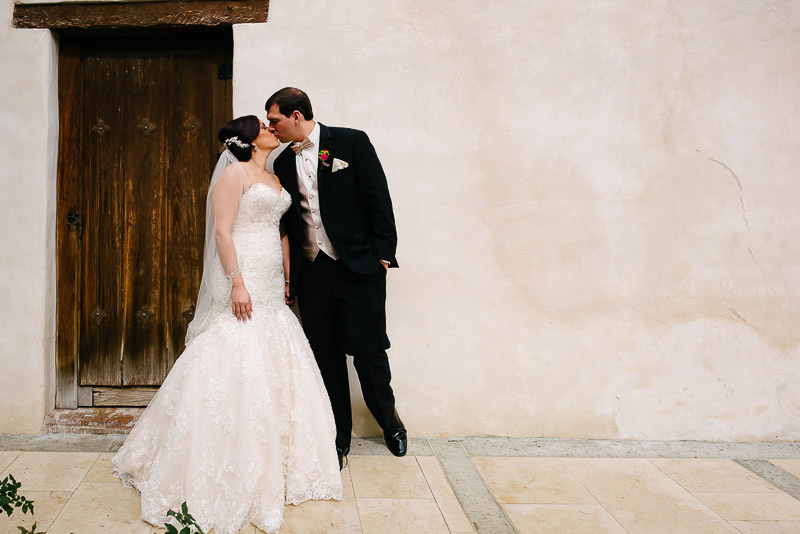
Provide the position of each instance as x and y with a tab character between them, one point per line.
242	425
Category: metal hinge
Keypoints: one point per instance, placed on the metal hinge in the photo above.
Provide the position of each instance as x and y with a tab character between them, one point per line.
225	71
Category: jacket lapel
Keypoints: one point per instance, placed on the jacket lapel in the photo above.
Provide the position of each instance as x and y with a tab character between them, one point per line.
325	143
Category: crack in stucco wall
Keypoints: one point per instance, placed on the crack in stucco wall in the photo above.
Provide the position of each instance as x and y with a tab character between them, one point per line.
735	312
741	200
778	13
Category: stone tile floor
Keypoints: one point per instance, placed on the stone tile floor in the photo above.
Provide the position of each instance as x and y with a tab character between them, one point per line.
525	489
619	495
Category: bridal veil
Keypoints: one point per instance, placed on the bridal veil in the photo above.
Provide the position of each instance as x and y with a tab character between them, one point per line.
222	203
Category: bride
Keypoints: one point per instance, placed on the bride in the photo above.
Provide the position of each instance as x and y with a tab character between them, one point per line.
242	424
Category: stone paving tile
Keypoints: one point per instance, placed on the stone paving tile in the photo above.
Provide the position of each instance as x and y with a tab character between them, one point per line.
712	475
325	516
322	517
753	506
767	527
388	477
6	457
454	515
101	508
792	465
643	499
400	516
531	481
47	471
101	469
46	506
562	518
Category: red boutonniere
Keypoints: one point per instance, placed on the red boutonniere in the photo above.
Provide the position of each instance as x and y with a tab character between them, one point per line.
324	156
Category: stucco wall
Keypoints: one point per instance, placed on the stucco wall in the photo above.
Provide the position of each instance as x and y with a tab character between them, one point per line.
596	204
29	126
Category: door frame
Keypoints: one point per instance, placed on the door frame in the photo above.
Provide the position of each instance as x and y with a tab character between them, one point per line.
170	14
68	226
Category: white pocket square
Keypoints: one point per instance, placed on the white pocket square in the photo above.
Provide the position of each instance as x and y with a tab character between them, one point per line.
339	165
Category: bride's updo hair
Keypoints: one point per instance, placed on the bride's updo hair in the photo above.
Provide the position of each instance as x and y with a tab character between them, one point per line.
238	136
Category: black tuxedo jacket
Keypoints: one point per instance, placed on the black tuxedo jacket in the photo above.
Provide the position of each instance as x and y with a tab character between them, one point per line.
354	203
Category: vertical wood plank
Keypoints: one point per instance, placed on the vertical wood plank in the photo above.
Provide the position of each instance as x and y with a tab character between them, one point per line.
85	396
149	78
193	149
222	100
68	237
102	304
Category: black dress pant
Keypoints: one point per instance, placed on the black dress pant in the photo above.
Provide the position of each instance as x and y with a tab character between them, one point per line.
345	313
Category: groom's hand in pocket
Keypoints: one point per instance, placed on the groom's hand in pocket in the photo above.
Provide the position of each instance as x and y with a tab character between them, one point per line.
286	299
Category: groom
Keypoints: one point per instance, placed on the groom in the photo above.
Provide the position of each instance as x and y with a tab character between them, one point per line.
342	241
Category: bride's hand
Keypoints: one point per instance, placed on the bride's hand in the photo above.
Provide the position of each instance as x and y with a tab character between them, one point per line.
241	304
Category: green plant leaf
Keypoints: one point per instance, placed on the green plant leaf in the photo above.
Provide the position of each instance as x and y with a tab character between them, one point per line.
23	530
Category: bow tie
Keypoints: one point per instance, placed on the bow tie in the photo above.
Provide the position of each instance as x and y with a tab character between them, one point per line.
298	147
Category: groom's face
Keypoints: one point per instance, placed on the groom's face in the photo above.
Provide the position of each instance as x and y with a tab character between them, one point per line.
286	128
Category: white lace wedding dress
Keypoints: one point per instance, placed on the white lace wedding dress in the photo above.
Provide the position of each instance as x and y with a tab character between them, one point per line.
242	424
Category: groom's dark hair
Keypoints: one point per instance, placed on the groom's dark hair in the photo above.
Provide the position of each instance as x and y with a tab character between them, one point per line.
289	99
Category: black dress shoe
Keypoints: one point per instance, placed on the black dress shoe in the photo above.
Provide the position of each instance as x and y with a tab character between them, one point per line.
342	454
397	442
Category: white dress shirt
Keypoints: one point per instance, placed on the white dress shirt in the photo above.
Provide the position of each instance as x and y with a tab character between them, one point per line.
316	238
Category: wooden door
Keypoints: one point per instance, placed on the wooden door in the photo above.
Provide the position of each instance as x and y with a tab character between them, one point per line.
138	144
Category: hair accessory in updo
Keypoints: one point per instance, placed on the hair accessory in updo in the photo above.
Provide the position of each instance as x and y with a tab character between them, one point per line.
235	141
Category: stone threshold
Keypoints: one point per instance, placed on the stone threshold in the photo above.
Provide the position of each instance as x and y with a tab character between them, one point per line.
94	432
118	420
92	421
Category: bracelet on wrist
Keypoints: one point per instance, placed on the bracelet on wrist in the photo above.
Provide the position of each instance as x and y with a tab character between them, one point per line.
234	274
